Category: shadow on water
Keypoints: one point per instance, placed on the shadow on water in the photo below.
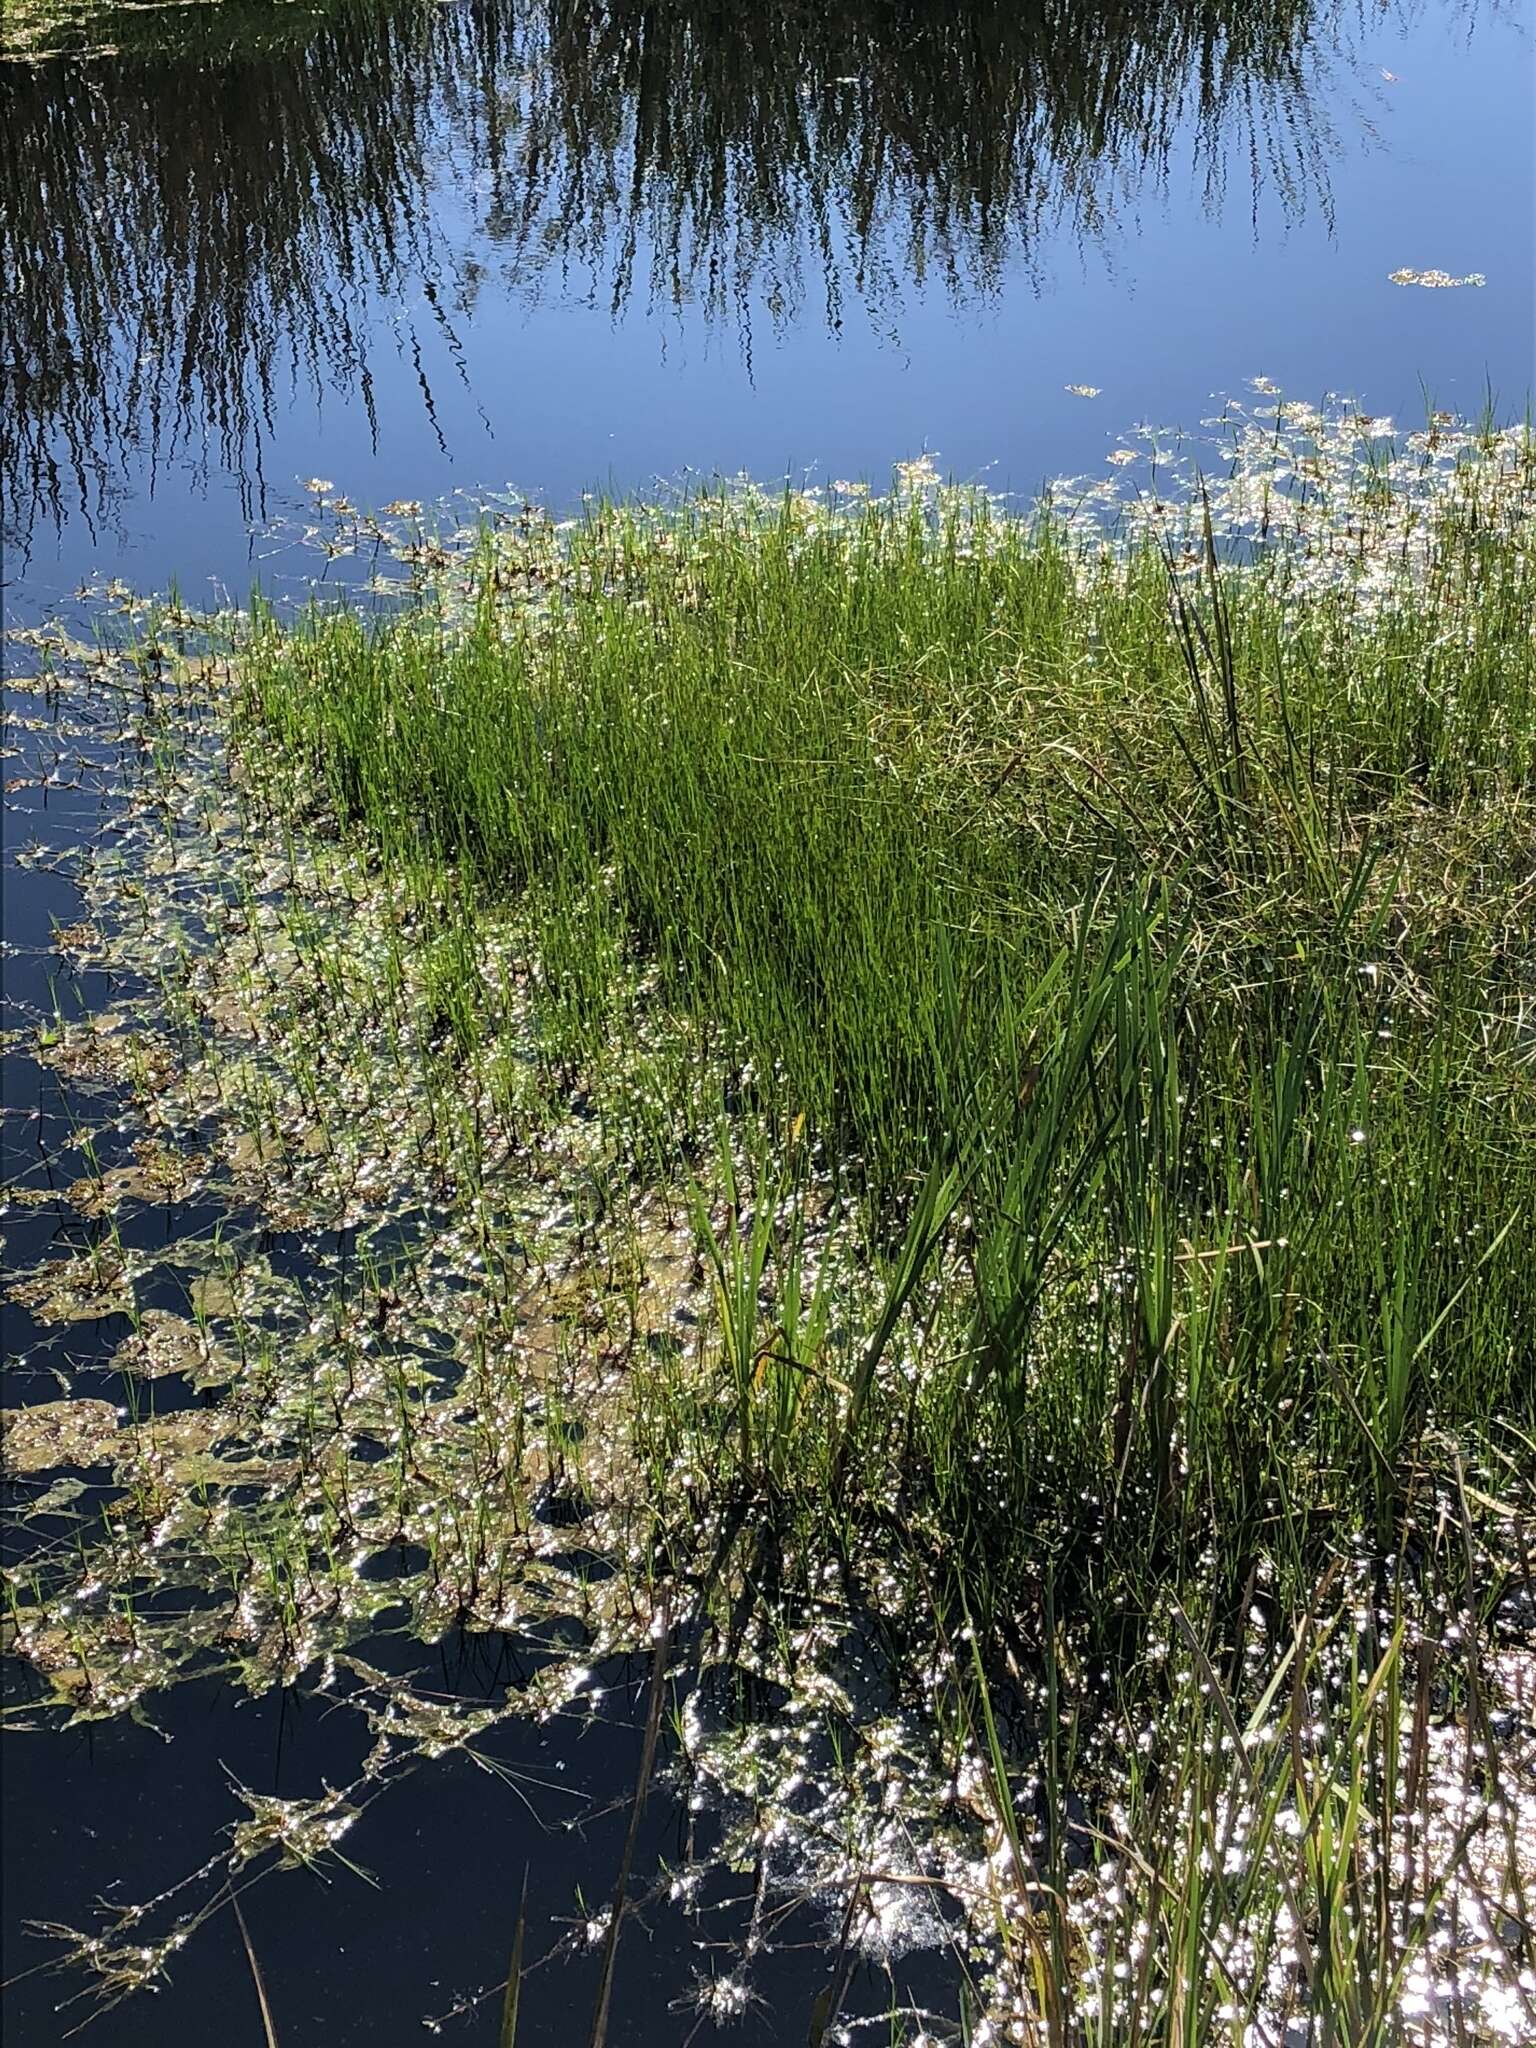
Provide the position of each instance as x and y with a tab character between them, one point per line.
208	208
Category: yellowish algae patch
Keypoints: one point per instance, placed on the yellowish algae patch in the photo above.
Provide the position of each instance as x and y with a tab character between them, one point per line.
50	1434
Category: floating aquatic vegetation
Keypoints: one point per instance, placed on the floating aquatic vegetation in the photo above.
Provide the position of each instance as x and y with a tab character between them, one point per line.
158	1175
1436	280
50	1434
164	1345
82	1288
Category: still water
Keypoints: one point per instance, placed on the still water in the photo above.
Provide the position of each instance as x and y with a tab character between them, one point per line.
563	245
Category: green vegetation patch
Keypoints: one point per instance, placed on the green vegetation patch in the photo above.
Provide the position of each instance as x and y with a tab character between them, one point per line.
191	30
1127	927
927	1106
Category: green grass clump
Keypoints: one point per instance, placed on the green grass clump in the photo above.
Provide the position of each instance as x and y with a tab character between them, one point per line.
197	29
1133	938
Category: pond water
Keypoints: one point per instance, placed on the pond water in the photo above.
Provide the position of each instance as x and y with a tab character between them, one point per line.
551	247
563	247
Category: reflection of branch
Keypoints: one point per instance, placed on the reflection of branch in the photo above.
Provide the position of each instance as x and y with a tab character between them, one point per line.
599	2033
921	138
180	236
267	2027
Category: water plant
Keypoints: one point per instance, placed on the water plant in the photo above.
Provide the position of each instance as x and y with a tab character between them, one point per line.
1087	907
921	1074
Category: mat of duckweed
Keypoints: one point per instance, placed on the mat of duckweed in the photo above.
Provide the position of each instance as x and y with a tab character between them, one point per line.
394	1371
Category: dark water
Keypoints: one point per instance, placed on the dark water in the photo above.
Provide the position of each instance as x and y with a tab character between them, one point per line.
123	1812
559	246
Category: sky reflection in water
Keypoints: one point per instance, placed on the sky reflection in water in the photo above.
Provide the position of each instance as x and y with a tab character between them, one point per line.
565	247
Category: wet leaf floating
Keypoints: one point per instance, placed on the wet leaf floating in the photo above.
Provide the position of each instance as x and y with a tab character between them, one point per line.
1435	280
58	1500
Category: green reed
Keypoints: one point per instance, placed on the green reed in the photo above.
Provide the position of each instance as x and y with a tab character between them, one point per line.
1255	1869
